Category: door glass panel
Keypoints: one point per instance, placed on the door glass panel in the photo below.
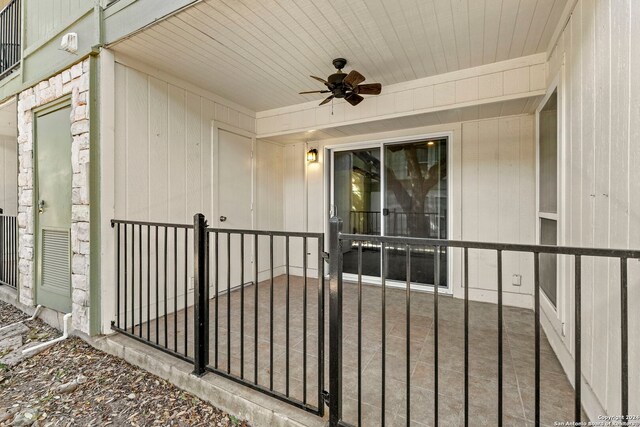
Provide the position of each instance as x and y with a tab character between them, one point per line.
416	206
549	155
357	202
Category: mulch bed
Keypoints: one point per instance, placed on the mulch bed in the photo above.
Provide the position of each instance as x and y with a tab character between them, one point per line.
71	383
38	331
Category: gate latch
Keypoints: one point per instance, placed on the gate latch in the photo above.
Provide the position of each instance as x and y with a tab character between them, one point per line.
325	396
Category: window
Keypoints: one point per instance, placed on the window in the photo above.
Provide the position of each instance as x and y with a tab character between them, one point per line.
548	194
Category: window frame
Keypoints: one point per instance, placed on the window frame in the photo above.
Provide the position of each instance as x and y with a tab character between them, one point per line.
555	314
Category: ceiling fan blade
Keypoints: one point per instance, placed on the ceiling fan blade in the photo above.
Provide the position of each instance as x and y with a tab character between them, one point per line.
329	98
353	79
314	91
368	89
320	80
353	99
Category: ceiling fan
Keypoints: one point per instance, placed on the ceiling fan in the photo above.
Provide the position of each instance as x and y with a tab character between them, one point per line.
347	86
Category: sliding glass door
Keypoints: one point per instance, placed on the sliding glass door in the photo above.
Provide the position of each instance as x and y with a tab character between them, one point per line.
357	200
394	189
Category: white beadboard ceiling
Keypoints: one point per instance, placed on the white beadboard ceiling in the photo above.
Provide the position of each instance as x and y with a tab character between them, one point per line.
260	53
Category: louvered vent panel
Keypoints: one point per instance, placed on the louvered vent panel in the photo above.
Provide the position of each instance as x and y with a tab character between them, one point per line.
56	272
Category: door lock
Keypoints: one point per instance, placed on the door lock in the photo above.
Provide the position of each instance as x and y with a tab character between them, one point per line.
223	218
41	206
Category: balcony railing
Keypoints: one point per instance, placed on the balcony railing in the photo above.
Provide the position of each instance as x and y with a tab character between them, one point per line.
8	250
9	38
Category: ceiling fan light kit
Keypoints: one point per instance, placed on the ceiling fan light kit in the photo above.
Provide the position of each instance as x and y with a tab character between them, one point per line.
347	86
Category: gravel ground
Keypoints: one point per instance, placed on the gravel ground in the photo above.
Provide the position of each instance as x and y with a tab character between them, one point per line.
73	384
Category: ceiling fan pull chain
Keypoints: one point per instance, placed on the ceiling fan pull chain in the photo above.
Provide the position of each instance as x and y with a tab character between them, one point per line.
332	107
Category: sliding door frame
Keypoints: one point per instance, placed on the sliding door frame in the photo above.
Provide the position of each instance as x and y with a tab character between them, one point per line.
381	144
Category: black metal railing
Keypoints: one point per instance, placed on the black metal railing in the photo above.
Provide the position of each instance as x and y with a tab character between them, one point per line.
398	223
9	251
238	303
336	325
9	37
153	296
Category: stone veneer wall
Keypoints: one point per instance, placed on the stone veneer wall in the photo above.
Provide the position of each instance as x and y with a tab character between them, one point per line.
74	81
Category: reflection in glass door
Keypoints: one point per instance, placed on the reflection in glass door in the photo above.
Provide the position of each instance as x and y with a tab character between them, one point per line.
357	200
415	205
407	197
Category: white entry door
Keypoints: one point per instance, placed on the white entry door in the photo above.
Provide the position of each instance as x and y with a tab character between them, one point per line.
235	197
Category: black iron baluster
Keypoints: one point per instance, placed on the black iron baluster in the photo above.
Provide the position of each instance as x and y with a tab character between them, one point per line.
126	270
242	305
286	309
577	343
466	337
149	282
3	245
186	292
536	280
335	321
359	333
304	321
320	324
118	275
383	252
5	254
175	289
140	279
133	278
408	332
500	378
157	287
228	303
255	311
624	337
201	294
165	298
216	292
14	264
271	313
436	290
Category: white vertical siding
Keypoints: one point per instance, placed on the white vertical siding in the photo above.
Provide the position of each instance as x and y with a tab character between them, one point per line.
498	196
163	148
601	202
269	208
165	166
9	175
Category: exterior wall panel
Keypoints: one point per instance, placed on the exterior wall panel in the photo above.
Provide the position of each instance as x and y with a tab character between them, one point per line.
9	175
163	146
601	202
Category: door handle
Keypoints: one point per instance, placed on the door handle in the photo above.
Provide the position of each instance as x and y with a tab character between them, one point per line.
223	218
41	206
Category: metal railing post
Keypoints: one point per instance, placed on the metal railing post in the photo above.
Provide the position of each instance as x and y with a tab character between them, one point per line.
201	296
335	321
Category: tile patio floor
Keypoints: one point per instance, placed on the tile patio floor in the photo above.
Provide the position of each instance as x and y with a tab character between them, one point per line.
556	394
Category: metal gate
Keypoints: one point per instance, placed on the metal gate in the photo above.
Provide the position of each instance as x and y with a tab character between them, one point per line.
243	304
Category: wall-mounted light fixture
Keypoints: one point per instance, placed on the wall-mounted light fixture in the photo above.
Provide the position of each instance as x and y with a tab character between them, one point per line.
312	155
